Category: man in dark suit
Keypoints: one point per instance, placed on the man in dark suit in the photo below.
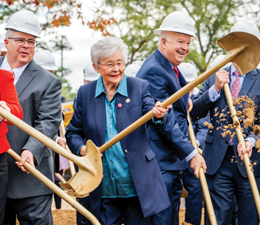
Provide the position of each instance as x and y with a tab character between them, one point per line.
173	150
226	173
39	94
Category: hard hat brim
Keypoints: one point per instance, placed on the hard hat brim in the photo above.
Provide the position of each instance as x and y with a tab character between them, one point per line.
90	78
191	34
22	30
54	68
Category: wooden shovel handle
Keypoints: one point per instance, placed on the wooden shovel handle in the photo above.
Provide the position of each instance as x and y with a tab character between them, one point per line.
248	165
204	185
55	188
173	98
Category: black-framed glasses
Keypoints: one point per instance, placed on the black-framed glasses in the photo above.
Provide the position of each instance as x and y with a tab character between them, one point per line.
111	65
21	41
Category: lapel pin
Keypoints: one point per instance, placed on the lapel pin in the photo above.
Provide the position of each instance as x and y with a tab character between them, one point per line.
119	105
127	100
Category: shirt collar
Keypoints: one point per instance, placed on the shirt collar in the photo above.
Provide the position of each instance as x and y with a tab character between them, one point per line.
17	71
121	89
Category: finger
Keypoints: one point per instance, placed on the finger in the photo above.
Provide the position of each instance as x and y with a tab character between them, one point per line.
156	111
157	104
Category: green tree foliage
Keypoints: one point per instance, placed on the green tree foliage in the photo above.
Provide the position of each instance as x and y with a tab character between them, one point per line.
136	20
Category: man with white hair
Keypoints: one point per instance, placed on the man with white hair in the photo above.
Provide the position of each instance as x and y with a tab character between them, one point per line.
173	151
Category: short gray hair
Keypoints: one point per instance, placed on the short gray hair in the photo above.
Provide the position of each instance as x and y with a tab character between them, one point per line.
106	48
8	33
164	34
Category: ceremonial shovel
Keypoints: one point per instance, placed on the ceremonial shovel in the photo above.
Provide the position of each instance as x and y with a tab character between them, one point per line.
238	45
204	185
247	61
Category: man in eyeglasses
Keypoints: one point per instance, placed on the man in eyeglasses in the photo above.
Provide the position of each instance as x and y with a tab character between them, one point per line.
39	95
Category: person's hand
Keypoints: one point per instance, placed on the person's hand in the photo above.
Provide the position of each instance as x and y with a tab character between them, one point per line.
242	151
4	106
196	162
82	151
62	142
26	156
160	112
190	105
222	77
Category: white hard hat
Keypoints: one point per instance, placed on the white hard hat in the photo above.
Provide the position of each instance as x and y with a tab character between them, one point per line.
45	59
188	71
24	21
179	22
246	27
132	69
2	46
89	73
218	59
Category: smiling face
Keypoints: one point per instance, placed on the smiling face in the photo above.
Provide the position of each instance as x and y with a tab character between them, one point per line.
111	69
175	47
18	56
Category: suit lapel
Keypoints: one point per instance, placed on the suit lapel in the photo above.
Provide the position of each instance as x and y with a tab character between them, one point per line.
120	111
164	62
26	77
100	112
248	82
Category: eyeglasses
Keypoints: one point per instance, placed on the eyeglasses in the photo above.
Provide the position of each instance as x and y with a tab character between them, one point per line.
111	65
21	41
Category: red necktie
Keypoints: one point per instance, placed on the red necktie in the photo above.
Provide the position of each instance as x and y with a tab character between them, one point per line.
236	85
176	72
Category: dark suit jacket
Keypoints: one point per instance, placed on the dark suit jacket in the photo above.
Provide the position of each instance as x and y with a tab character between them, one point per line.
172	146
9	96
200	130
89	121
215	145
39	95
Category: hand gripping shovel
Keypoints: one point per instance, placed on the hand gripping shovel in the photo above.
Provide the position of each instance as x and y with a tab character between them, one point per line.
90	166
204	185
246	61
55	188
237	47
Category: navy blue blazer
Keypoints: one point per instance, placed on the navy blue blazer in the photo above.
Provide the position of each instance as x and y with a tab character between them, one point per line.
88	122
173	146
215	145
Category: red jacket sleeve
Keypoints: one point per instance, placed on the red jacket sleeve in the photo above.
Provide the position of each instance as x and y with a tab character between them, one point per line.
9	95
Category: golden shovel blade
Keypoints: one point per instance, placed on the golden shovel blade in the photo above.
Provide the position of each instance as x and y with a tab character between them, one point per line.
245	60
85	181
